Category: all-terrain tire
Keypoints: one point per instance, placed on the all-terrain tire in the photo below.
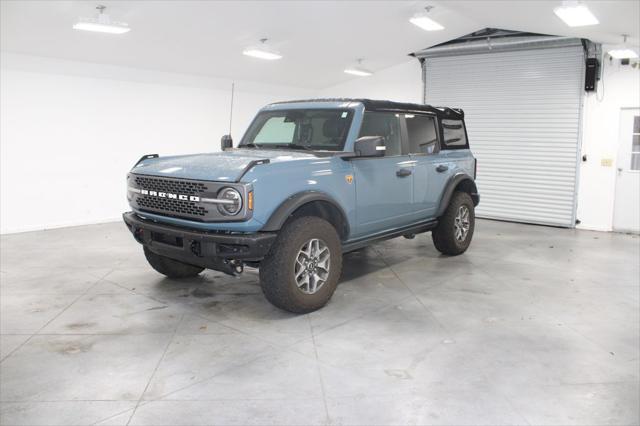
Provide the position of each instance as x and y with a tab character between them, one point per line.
278	268
170	267
444	235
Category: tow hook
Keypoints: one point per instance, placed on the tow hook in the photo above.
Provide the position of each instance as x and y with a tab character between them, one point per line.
138	234
236	266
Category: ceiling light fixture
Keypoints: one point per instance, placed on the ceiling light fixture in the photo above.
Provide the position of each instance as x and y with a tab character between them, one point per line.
262	51
423	21
623	51
101	24
575	14
622	54
358	70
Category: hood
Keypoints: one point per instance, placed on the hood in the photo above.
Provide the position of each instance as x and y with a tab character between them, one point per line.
228	166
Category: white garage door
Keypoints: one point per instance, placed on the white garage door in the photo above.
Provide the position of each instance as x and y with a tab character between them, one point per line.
523	113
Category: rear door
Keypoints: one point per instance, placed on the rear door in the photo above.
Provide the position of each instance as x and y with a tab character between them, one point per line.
431	163
384	185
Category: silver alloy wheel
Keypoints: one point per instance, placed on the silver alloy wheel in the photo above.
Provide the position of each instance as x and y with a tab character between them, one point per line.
312	266
462	223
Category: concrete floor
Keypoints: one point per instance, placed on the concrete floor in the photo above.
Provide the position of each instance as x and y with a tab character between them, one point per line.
533	325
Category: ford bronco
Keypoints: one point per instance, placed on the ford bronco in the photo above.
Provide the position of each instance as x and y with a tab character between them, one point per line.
310	181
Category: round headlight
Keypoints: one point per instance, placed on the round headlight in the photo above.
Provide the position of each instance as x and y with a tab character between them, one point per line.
233	203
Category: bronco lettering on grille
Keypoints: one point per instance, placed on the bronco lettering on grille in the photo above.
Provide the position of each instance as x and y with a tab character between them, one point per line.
170	195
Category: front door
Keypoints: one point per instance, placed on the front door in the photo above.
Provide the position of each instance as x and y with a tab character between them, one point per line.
384	185
626	214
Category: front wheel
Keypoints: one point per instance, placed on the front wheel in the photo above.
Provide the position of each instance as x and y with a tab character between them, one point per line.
302	270
455	228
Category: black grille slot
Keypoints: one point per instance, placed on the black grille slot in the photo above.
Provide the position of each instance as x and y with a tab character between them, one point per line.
184	187
171	205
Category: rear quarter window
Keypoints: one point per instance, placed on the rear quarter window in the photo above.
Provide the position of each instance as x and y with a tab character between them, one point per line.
454	134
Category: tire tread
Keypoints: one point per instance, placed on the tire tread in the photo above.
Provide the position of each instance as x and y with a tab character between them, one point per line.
275	267
443	236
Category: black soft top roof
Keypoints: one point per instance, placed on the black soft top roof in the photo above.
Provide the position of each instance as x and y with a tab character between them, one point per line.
380	105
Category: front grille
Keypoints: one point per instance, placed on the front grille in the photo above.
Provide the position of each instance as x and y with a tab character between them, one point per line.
179	208
180	198
172	206
178	186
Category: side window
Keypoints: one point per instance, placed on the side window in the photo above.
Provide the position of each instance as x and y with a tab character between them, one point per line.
454	134
423	138
383	124
276	130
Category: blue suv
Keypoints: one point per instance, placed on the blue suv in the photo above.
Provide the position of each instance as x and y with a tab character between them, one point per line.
309	181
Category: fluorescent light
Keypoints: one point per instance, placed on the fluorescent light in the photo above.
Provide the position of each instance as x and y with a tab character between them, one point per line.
575	15
262	51
101	24
261	54
622	54
360	72
101	28
426	23
358	69
623	51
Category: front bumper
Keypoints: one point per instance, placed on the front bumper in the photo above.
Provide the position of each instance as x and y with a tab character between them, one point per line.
206	249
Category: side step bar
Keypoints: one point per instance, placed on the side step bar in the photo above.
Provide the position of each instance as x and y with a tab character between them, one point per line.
386	235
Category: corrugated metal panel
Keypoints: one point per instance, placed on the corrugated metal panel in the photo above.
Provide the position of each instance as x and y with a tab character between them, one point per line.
523	112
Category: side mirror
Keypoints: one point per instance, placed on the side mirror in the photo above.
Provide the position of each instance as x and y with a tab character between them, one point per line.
369	146
226	142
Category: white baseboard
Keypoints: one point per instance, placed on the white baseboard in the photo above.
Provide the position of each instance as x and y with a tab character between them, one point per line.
19	230
588	227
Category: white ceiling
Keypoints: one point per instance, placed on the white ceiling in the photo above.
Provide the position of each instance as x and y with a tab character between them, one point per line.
317	38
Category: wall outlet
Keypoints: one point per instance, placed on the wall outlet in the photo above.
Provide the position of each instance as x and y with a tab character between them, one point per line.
606	162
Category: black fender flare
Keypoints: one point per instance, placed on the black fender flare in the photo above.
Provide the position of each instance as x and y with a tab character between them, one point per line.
451	186
294	202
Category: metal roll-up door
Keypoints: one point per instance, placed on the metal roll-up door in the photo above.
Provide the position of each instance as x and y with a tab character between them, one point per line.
523	116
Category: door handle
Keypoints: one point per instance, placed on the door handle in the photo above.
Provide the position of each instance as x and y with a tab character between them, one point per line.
403	172
442	168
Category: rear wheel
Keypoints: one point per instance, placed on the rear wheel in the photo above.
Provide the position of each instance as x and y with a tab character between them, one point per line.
455	227
302	270
170	267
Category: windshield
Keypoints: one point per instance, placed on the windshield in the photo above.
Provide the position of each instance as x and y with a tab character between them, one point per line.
309	129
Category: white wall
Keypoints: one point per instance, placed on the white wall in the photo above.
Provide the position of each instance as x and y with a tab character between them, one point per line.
600	140
401	83
70	131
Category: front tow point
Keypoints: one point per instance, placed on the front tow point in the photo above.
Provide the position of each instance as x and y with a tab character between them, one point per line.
138	234
237	267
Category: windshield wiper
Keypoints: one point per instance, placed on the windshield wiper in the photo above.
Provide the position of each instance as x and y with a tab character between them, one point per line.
250	145
296	146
